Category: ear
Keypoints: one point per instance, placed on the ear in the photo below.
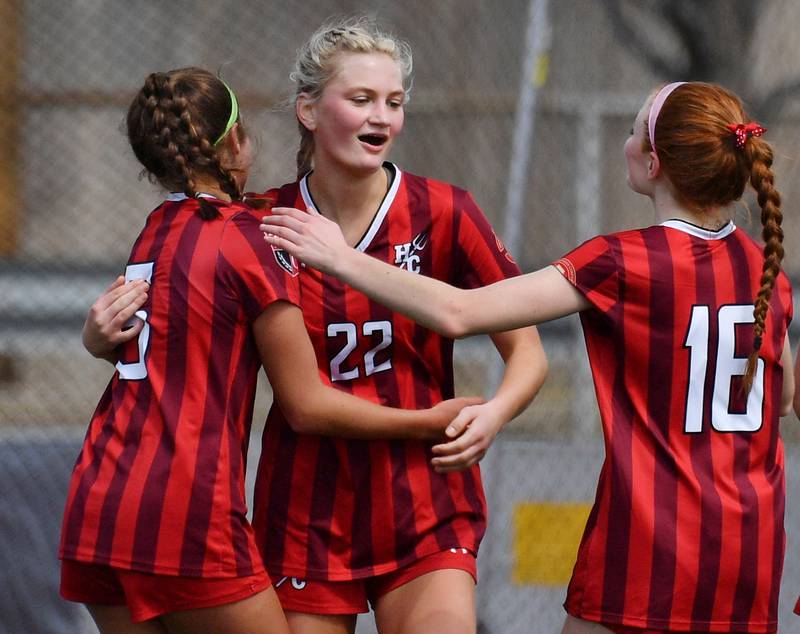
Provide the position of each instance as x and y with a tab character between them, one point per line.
653	166
305	108
232	141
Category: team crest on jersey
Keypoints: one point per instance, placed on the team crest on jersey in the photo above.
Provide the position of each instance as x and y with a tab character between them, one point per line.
407	255
285	261
502	248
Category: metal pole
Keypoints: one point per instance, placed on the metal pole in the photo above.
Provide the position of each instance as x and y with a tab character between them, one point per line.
534	74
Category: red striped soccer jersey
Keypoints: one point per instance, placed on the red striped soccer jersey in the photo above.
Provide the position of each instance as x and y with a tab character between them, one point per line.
159	484
335	509
686	532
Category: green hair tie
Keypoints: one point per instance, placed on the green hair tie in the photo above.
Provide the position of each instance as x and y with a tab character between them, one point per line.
232	119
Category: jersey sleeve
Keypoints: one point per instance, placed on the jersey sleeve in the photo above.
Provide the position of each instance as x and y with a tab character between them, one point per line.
255	272
593	269
480	256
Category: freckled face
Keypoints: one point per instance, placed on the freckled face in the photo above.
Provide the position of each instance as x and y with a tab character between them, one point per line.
636	158
360	112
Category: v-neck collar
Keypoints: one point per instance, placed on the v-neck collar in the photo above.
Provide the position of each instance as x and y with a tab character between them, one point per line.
380	215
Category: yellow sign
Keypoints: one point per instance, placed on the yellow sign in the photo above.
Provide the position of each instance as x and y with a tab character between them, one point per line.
546	539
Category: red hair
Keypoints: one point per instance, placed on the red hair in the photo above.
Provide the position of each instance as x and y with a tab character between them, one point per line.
698	154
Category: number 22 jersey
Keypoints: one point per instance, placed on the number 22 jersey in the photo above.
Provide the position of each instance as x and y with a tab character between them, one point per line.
328	508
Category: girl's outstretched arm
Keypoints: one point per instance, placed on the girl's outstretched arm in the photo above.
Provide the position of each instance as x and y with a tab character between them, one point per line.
512	303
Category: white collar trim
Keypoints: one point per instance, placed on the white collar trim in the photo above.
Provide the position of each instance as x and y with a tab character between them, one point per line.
699	232
176	196
377	221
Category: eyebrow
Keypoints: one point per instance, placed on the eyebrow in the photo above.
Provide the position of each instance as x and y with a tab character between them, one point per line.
399	91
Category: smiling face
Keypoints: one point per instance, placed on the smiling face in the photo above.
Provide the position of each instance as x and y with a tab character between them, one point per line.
636	158
359	113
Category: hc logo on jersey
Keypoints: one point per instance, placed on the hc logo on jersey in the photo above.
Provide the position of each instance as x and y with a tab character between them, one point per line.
406	255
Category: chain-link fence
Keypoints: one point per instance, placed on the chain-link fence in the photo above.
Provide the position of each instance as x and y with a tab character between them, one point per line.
525	102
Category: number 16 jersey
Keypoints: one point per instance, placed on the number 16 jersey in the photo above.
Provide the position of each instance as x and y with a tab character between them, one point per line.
686	532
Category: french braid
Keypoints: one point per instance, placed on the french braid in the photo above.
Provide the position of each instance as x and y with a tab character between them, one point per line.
170	127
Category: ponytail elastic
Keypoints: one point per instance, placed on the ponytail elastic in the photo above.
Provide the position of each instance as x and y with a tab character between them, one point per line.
234	115
742	132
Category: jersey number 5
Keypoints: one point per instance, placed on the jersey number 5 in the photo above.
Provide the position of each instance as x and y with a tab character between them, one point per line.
137	370
728	365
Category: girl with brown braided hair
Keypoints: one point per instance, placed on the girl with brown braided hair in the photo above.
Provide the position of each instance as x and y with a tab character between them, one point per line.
155	536
685	324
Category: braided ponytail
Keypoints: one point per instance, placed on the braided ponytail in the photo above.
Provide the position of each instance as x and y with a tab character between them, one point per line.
762	180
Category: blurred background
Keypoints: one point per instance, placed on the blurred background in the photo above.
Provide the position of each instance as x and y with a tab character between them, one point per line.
526	103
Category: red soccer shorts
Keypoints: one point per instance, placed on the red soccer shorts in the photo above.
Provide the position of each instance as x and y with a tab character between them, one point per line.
354	597
622	629
148	596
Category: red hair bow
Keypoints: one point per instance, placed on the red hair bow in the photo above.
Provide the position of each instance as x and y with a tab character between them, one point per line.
745	131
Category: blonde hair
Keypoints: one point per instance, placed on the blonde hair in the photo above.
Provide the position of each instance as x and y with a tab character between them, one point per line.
316	64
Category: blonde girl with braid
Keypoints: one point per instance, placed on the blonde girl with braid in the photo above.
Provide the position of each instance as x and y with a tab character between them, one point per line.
685	324
155	536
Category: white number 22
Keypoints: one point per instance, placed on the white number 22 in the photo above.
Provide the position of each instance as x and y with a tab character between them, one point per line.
369	328
728	365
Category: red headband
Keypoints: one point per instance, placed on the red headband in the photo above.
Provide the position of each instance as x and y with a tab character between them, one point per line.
745	131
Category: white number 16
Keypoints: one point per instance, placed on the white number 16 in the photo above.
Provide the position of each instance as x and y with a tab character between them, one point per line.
728	365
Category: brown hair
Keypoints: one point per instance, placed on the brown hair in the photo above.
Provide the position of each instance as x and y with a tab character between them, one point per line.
173	123
698	153
316	64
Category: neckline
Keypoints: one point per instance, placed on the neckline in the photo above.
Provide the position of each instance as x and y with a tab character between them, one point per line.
698	231
176	196
380	214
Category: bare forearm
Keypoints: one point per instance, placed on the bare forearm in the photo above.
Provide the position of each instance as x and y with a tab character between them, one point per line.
453	312
525	371
329	412
505	305
428	301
